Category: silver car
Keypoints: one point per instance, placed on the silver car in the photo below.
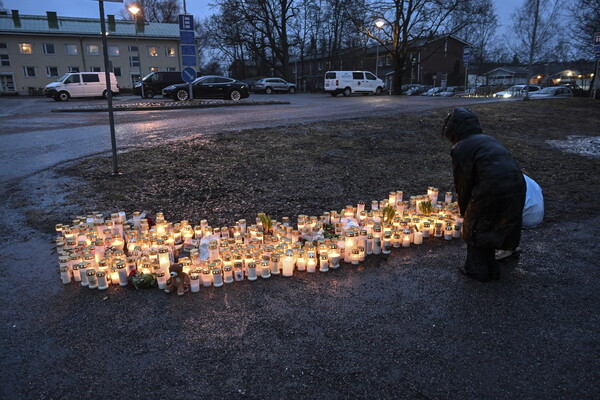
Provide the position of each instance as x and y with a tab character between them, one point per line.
272	85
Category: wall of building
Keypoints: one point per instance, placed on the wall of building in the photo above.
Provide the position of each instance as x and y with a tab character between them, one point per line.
32	55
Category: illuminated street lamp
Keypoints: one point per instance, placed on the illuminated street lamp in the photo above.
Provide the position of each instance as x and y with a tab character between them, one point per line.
135	11
379	24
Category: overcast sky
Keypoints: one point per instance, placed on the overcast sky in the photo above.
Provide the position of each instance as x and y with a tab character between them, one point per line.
200	8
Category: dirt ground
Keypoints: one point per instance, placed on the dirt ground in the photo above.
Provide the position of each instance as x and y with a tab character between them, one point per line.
309	169
401	326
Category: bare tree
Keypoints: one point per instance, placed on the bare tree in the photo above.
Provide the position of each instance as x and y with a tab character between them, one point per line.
586	14
480	32
408	22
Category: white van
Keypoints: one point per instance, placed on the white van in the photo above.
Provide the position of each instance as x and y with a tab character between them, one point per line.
348	82
81	84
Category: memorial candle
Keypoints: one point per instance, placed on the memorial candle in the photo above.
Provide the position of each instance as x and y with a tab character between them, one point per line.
227	274
323	262
195	282
418	238
288	264
206	277
122	275
217	277
251	272
311	263
102	280
238	269
334	256
92	282
406	238
387	243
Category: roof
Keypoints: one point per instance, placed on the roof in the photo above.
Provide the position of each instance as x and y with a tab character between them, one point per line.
36	24
510	70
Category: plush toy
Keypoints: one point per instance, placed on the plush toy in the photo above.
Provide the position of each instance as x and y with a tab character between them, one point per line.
179	280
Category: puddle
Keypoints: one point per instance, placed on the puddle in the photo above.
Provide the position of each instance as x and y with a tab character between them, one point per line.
582	145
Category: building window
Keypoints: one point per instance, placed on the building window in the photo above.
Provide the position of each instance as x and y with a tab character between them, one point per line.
170	51
25	48
133	48
113	51
171	69
134	61
71	49
319	66
4	60
95	69
3	46
51	71
152	51
93	50
73	69
117	71
153	69
49	49
29	71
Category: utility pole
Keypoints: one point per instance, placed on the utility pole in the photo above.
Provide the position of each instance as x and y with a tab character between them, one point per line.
536	14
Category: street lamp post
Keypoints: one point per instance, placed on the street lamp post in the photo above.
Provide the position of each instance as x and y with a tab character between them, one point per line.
135	11
379	24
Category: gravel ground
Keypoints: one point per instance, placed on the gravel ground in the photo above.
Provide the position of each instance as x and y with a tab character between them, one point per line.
403	326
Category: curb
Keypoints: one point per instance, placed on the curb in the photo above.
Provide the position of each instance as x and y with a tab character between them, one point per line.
169	105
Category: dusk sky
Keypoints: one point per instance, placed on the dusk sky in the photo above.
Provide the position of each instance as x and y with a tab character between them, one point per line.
200	8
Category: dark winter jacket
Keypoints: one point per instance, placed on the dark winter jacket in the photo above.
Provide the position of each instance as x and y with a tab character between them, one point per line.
489	183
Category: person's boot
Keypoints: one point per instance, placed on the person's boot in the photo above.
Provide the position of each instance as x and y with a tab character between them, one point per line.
481	277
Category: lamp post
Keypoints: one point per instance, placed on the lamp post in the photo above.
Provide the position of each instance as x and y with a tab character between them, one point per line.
379	24
135	11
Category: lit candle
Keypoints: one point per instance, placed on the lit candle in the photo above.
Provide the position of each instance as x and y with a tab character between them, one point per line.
311	263
369	247
195	282
76	273
206	277
275	264
406	238
387	244
65	269
377	239
161	279
426	229
83	266
355	257
334	256
238	270
122	274
448	198
323	262
300	261
418	238
438	230
397	240
227	274
448	232
251	271
288	264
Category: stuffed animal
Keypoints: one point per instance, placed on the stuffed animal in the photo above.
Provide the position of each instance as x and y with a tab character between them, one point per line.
179	280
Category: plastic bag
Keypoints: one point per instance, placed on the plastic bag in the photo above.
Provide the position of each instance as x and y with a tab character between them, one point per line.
533	212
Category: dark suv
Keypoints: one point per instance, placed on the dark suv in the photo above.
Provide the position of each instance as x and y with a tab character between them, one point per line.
155	82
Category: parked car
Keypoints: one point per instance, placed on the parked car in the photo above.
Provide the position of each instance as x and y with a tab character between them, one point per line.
348	82
155	82
272	85
552	92
209	86
417	90
81	84
516	91
450	91
432	91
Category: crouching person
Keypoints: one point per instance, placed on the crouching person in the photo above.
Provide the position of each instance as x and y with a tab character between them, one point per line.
491	193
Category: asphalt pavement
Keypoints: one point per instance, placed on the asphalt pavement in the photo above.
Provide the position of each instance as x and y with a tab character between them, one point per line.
403	326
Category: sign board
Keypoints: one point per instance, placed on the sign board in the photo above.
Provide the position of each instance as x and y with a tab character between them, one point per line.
597	42
188	74
466	55
187	42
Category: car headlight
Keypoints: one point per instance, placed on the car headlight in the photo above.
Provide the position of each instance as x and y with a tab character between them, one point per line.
506	95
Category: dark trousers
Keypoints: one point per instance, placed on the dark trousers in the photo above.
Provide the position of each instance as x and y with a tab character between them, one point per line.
481	261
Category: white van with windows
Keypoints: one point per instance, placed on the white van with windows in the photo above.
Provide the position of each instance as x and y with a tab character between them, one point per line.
81	84
348	82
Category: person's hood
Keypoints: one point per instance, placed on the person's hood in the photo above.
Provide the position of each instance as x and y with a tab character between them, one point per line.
460	123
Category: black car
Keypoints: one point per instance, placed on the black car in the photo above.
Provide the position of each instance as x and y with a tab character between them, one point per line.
155	82
209	86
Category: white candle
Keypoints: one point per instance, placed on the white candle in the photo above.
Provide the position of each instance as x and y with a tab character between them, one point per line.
355	257
265	269
102	280
83	271
323	262
418	239
406	238
206	277
275	264
448	232
228	274
238	269
288	264
301	262
161	279
65	274
217	277
91	279
252	271
195	282
122	274
334	256
311	263
387	244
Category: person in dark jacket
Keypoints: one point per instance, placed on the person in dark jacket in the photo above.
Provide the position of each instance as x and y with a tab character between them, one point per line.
491	193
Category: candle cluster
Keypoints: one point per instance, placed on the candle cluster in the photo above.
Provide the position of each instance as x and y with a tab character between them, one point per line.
98	252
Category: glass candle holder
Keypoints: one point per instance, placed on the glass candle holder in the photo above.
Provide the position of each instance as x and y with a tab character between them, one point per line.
102	280
275	264
195	282
448	232
65	274
311	263
265	269
438	230
387	244
217	277
323	262
92	282
418	238
288	264
355	257
238	271
377	239
228	274
406	238
206	277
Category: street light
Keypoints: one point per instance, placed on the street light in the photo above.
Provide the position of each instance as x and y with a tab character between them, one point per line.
379	24
135	10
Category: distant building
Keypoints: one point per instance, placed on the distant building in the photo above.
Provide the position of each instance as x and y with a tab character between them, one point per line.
36	50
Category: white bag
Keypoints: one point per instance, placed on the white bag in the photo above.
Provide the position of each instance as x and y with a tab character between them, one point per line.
533	212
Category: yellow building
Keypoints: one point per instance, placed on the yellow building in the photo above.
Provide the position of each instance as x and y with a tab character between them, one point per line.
36	50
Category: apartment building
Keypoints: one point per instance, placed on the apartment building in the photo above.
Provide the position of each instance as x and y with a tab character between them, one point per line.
36	50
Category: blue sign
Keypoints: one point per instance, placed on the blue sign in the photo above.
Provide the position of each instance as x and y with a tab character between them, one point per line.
188	50
597	42
188	61
188	74
186	22
186	37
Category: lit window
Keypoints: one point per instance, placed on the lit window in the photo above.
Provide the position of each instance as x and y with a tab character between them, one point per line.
4	60
25	48
152	51
29	71
51	71
73	69
113	51
49	49
71	49
170	51
92	49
